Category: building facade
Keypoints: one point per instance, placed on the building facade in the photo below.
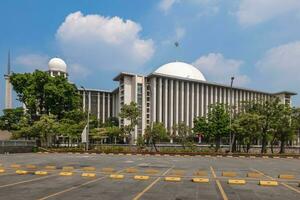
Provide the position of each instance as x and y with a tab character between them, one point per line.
175	92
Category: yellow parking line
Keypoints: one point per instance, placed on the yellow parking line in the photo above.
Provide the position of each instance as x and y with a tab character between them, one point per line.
285	185
223	194
150	186
27	181
71	188
75	187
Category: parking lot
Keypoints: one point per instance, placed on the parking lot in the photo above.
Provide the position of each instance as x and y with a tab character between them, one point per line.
101	176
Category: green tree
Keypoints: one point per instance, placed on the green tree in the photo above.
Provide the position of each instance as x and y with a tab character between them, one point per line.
247	127
44	94
184	133
46	127
11	118
113	133
131	113
269	111
155	133
218	123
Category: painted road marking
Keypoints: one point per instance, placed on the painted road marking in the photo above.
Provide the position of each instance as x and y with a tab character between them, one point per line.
150	186
285	185
223	194
27	181
74	187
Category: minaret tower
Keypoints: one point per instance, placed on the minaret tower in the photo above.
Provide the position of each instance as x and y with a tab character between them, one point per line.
8	88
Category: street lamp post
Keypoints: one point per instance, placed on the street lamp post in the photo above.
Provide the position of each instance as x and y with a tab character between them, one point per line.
230	116
88	123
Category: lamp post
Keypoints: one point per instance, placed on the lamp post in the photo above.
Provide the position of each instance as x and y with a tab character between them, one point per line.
88	122
230	116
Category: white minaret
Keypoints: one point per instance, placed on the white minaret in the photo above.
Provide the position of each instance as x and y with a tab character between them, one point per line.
8	91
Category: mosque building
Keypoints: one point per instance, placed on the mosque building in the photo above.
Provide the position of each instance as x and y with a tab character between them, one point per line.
174	92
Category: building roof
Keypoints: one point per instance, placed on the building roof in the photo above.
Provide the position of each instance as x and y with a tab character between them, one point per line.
57	64
181	70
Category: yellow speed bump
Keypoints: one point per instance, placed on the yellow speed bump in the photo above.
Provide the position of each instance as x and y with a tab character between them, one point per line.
89	175
236	181
21	172
50	167
117	176
131	170
172	179
107	170
68	168
200	180
286	176
201	173
151	171
2	170
30	166
66	173
254	175
229	174
268	183
42	173
141	177
15	166
89	169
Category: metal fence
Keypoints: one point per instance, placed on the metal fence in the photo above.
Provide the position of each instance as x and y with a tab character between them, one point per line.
17	143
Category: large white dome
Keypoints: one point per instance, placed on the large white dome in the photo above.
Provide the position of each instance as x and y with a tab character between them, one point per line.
180	69
57	64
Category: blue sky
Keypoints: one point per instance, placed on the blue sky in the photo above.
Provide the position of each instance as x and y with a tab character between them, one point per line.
256	41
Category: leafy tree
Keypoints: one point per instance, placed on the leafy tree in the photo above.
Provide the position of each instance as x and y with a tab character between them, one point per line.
184	133
131	113
113	133
111	121
46	127
247	127
269	112
155	133
11	118
44	94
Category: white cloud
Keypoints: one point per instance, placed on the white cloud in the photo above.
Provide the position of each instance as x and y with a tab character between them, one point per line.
280	66
32	61
252	12
99	42
166	5
219	69
207	7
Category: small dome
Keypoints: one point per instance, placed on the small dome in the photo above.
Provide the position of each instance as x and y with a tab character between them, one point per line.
182	70
57	64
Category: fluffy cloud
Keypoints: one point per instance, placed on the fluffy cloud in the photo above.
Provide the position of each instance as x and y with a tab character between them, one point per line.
219	69
31	62
251	12
166	5
102	42
207	7
280	67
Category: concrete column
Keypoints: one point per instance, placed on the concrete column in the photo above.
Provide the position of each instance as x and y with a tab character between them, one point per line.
187	103
166	103
160	100
176	102
103	107
192	114
197	100
202	100
98	105
171	108
153	98
90	100
182	102
83	100
8	92
108	105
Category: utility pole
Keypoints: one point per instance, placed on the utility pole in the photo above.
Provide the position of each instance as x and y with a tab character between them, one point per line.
88	121
230	116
